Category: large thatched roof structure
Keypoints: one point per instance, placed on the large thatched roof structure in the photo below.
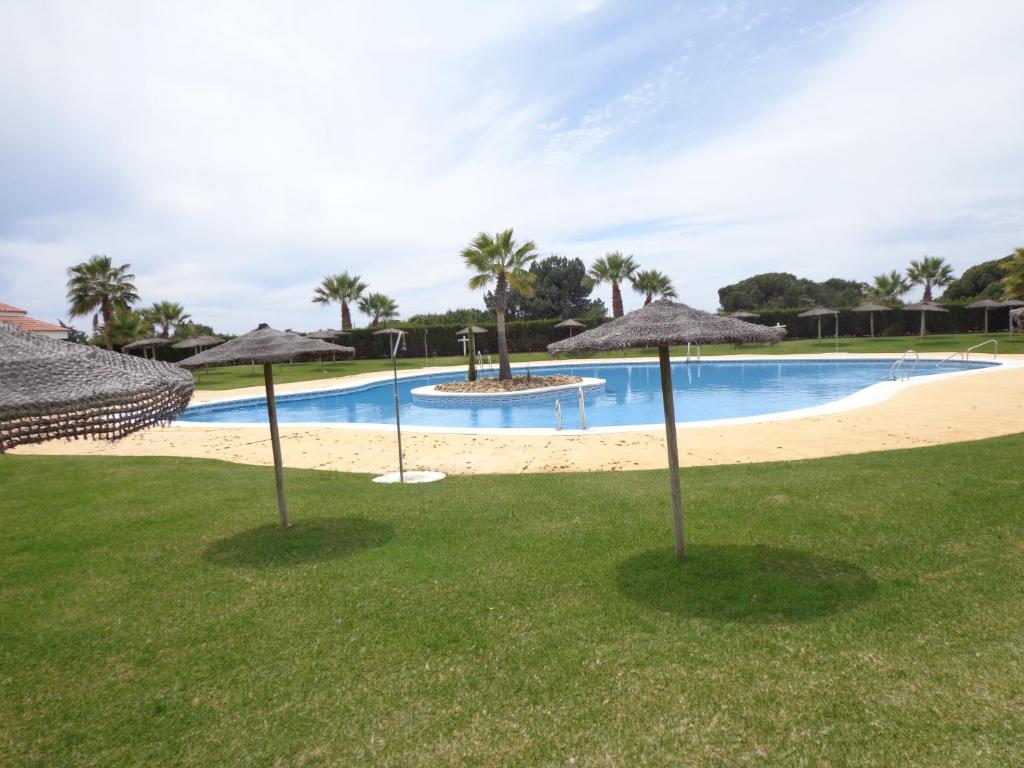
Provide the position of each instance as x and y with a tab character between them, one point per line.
666	323
266	345
53	389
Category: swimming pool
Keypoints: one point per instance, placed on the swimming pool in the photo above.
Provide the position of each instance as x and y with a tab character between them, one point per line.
631	396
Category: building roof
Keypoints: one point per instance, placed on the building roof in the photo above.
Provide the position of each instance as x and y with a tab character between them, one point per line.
9	308
30	324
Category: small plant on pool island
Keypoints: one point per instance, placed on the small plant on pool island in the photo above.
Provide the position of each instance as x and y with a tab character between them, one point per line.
501	260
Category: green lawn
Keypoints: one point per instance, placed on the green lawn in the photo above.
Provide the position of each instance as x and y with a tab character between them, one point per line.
859	611
247	376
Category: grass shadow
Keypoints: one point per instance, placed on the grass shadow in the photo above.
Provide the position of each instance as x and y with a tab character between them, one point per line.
306	541
743	582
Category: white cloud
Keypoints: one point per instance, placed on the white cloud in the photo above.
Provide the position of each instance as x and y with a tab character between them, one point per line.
235	156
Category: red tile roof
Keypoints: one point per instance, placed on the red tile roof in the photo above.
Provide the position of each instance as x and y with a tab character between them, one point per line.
30	324
9	308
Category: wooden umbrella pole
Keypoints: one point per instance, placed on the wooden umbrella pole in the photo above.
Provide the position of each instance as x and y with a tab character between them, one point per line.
275	441
673	451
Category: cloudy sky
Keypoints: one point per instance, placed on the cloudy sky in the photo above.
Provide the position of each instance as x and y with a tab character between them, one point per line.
235	153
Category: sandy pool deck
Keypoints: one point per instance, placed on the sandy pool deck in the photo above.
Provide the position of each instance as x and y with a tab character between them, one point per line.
949	409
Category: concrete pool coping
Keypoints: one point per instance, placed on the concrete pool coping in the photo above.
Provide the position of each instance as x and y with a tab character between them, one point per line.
932	410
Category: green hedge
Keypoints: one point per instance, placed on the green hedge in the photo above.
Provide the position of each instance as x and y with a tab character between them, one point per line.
535	335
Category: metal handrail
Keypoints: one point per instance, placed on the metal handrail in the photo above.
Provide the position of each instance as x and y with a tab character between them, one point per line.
995	353
688	351
949	357
898	365
558	415
583	410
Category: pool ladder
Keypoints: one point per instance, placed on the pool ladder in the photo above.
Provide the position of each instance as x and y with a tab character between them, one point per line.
559	423
898	371
966	356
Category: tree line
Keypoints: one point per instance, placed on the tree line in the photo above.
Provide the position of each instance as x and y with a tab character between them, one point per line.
107	291
997	279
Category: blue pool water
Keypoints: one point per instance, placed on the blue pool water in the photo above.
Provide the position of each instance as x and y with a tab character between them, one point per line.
704	391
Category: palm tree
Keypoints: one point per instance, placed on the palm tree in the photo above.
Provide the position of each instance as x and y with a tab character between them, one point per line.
98	285
651	283
165	314
378	307
931	272
342	288
613	268
127	325
1014	279
507	263
888	288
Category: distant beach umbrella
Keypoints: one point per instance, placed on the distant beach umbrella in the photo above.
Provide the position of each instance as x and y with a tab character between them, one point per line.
52	389
1016	307
326	334
924	307
820	312
871	307
661	324
268	346
198	342
471	337
986	304
570	324
150	342
742	314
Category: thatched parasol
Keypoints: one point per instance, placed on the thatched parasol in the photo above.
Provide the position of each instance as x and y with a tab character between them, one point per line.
1016	315
986	304
150	342
742	314
869	306
660	324
53	389
924	307
198	342
326	334
472	340
267	345
820	312
570	324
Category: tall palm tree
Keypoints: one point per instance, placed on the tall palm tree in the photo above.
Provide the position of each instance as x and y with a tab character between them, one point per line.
378	307
651	283
931	272
888	288
613	268
97	284
343	288
165	314
502	260
1014	279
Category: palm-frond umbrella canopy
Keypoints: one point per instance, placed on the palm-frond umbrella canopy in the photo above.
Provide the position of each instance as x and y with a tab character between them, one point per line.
52	389
924	307
198	342
742	314
471	336
570	324
268	346
820	312
870	306
150	342
1012	304
985	304
327	334
661	324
